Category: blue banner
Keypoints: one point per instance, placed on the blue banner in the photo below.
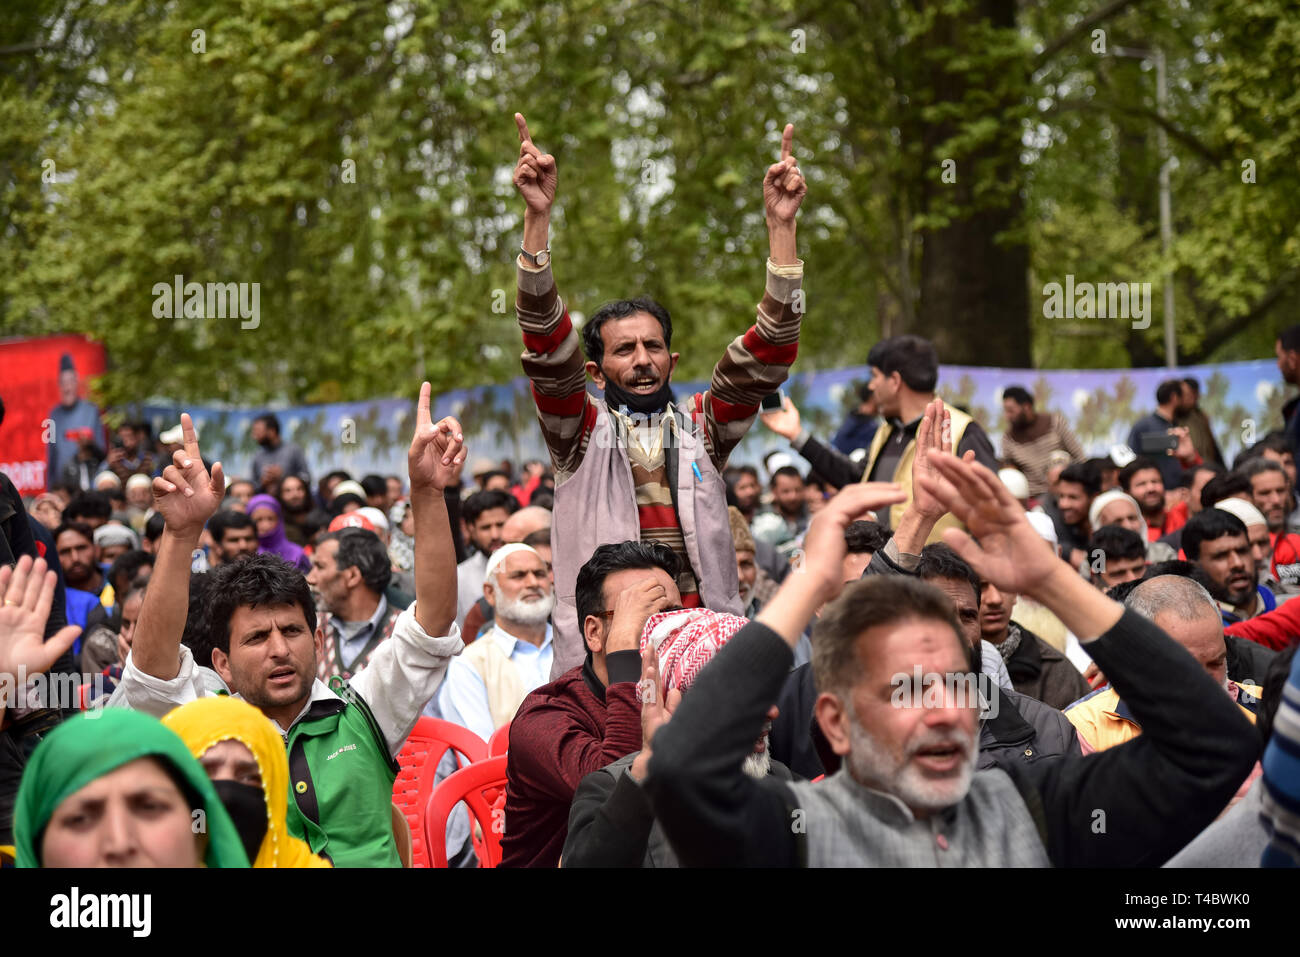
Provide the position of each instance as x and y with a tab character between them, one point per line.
1242	399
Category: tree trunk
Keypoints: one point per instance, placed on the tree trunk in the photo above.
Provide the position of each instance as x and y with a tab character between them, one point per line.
974	289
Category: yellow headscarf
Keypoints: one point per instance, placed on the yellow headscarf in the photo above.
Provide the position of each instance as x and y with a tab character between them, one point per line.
208	721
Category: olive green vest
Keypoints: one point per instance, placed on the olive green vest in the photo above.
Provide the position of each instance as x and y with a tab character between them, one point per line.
341	783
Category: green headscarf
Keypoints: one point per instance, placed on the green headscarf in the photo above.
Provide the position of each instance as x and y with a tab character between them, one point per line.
87	747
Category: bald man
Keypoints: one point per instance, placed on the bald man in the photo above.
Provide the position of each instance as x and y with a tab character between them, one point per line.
1184	610
524	522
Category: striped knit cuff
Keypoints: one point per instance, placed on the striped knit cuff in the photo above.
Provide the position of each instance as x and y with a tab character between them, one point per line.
793	271
534	280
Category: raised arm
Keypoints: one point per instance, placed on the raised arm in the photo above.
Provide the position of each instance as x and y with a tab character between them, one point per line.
1009	552
406	671
186	496
1156	791
756	363
433	462
711	811
552	358
830	463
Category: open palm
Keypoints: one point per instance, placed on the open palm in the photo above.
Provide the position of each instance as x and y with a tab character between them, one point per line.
27	593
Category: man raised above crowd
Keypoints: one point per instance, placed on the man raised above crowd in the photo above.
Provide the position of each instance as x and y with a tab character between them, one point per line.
267	645
637	464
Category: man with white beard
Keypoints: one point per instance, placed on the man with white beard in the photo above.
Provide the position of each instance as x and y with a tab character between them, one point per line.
611	823
907	793
487	682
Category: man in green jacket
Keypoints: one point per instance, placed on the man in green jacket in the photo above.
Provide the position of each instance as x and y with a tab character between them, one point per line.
342	739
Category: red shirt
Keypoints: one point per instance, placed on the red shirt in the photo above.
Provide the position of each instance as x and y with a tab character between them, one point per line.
1277	629
1175	518
562	732
1286	553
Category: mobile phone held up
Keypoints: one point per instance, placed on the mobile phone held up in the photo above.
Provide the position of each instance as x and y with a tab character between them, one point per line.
774	402
1157	443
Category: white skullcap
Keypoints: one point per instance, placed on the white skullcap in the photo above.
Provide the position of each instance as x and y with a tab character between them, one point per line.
1015	481
1106	498
1043	526
138	481
108	535
175	435
112	478
504	552
377	518
349	487
777	460
1122	455
1248	513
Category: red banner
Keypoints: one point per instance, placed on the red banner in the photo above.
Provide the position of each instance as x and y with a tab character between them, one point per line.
31	389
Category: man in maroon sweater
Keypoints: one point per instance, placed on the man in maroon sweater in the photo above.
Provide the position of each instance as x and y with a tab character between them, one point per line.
591	715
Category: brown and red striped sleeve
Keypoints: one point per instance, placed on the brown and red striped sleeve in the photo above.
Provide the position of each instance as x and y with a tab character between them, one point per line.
553	361
754	365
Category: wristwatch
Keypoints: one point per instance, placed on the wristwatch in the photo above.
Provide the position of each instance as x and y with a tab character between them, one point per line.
538	259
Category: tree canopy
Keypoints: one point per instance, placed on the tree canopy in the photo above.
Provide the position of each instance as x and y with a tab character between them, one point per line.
354	160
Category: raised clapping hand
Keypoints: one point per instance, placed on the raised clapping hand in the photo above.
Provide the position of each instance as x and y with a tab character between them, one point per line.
783	186
437	451
933	435
535	173
1009	553
27	592
185	494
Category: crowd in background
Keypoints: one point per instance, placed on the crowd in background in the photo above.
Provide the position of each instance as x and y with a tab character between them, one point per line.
928	645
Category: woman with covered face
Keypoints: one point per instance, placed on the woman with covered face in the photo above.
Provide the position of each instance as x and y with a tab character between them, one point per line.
243	754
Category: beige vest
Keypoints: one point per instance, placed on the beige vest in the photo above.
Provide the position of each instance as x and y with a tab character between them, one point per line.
505	691
903	473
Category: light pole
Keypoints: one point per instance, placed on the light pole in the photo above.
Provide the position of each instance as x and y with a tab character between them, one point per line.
1166	210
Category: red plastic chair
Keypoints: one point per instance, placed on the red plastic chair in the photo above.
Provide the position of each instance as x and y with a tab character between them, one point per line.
482	786
428	742
499	743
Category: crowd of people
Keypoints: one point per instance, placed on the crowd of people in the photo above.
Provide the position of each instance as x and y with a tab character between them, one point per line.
926	647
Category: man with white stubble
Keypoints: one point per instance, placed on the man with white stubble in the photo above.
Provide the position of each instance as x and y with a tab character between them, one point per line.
907	793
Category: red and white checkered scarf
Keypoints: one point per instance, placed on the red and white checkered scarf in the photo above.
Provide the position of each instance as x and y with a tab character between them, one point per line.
686	640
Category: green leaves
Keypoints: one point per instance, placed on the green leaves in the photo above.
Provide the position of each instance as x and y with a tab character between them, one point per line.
354	160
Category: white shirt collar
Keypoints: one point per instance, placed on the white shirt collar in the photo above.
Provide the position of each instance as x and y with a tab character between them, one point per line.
508	642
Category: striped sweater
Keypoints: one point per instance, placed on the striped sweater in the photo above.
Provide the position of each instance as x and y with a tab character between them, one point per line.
754	365
1280	811
1030	451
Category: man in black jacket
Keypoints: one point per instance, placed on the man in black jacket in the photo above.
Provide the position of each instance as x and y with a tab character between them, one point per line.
908	794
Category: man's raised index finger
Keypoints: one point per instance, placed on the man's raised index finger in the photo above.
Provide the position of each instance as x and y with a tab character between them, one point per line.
189	437
524	135
787	141
422	407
